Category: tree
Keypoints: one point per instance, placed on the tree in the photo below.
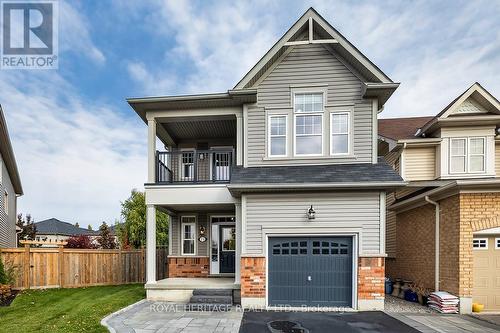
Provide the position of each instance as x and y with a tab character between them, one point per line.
134	222
89	227
80	242
27	226
77	225
105	239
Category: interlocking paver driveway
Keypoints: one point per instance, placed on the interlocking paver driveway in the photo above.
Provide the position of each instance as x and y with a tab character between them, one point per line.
164	317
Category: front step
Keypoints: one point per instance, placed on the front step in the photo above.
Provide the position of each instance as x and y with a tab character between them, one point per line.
210	300
213	292
204	299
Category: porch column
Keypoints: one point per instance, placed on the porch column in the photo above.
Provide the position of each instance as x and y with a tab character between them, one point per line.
239	139
237	224
151	244
151	150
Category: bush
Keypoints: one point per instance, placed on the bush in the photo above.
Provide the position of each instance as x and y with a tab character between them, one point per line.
80	242
7	274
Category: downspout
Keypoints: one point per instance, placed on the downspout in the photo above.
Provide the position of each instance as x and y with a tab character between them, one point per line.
436	254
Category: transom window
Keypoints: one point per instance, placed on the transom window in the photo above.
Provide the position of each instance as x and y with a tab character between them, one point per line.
467	155
188	233
340	129
277	135
480	243
308	110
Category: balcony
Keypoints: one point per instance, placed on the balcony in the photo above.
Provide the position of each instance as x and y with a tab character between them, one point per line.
194	166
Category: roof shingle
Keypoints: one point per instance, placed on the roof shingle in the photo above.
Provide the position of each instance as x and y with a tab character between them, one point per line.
401	128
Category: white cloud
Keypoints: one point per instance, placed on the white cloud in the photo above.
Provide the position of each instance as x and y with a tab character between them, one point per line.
435	50
77	159
74	33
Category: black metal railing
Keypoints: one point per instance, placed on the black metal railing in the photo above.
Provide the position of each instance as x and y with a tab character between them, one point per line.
194	166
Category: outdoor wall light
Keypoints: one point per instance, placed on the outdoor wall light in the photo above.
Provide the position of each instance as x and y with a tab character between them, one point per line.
202	230
201	156
311	214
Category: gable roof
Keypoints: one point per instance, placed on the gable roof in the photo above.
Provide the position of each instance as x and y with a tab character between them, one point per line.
328	35
54	226
401	128
475	91
8	155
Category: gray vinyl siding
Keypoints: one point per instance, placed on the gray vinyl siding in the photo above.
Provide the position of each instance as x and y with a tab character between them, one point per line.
7	222
202	220
310	66
346	210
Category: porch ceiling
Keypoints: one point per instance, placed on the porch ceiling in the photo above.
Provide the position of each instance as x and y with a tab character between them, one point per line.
201	128
198	208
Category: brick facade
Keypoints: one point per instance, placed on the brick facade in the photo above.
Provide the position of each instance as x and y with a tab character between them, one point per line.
460	216
188	267
371	274
253	277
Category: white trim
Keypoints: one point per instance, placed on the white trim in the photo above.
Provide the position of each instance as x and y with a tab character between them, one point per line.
195	225
479	240
245	135
212	269
497	243
269	135
349	133
355	259
382	210
243	223
375	131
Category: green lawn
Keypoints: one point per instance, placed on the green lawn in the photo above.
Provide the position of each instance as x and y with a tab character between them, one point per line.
66	310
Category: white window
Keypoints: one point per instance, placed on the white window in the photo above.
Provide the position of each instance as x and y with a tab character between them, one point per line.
188	234
467	155
340	128
458	155
187	165
308	109
476	154
6	202
480	243
277	136
497	243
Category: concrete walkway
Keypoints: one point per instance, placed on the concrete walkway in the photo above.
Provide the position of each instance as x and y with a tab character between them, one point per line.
164	317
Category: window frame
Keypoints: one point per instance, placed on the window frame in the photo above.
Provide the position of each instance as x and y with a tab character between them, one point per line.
349	133
312	113
467	155
193	225
270	136
183	176
480	239
497	243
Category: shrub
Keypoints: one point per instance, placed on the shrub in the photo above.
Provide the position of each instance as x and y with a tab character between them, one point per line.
80	242
7	273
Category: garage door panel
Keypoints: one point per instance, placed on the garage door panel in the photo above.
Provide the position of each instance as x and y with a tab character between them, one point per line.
315	271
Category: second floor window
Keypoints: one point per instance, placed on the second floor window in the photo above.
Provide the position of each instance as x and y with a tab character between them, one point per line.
340	133
467	155
308	113
277	135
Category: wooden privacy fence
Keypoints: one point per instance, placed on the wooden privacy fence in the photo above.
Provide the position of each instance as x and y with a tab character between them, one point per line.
38	267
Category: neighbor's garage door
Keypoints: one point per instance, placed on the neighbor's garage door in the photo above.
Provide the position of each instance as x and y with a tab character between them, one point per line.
486	282
312	271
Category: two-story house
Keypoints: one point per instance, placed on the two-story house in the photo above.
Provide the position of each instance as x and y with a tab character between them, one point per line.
10	188
274	188
443	229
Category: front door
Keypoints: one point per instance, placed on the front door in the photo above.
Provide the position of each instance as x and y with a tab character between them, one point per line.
227	248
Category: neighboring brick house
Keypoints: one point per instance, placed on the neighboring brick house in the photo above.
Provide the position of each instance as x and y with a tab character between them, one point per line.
452	162
10	188
275	187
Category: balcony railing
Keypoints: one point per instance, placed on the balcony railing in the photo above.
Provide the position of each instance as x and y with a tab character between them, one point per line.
194	166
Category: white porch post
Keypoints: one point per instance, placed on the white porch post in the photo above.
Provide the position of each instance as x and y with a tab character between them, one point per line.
237	270
151	244
151	150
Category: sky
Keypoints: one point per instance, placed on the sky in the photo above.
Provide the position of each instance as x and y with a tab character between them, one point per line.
80	148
